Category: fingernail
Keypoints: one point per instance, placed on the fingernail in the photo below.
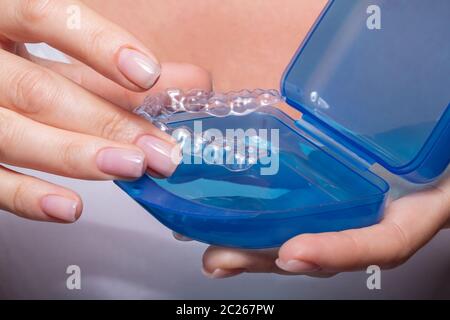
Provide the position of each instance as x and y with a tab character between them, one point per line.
138	68
297	266
222	273
121	162
162	156
60	207
180	237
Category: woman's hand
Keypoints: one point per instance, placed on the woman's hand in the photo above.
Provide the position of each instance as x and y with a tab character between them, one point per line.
409	223
72	119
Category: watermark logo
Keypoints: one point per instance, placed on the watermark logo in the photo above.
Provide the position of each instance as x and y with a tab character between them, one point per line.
374	280
73	281
74	17
374	20
236	149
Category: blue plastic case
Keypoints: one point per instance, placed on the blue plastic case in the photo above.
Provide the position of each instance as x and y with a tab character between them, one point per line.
367	96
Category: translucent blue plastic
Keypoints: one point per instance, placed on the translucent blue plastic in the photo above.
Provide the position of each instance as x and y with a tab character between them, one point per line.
384	93
367	96
312	192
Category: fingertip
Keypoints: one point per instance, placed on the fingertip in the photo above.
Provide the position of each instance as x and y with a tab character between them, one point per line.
200	77
183	76
210	256
297	266
163	157
80	207
219	258
180	237
139	68
254	261
219	263
221	273
300	247
61	208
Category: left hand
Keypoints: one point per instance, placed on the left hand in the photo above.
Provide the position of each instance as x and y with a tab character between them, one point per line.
409	223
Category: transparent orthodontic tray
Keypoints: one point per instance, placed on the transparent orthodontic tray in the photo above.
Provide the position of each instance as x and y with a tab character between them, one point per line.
312	191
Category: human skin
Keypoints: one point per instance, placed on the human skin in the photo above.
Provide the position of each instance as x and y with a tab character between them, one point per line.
74	119
243	44
247	44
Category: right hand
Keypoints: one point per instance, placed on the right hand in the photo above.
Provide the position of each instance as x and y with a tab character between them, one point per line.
74	119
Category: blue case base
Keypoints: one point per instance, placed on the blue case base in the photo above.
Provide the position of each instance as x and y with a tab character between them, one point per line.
312	191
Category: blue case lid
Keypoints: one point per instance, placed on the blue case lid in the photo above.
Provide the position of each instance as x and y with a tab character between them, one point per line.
376	74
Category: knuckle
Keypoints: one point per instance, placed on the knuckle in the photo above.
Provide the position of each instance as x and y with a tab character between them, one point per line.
117	127
71	154
96	40
5	124
403	249
33	91
202	76
19	197
34	11
445	197
9	133
396	261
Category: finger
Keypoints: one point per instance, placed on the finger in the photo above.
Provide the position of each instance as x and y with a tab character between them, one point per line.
410	222
225	262
180	237
52	99
444	187
173	75
80	32
221	262
30	144
35	199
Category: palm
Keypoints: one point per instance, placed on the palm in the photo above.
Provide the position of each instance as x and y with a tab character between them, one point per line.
409	223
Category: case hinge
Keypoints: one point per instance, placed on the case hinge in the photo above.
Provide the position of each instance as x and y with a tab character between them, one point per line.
330	143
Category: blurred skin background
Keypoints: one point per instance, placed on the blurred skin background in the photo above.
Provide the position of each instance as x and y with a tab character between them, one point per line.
215	35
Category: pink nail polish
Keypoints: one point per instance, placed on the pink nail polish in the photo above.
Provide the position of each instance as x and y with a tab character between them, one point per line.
297	266
60	207
138	68
162	156
121	162
222	273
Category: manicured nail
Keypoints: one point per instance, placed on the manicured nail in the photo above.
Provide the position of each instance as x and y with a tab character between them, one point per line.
162	157
121	162
60	207
180	237
138	68
297	266
222	273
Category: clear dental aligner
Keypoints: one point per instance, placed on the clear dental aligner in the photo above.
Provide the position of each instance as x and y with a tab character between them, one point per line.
239	154
158	108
